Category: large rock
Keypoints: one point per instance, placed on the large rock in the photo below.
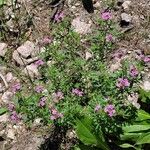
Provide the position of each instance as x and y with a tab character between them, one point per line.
7	96
4	118
11	134
126	17
146	85
31	71
3	49
25	54
26	49
22	61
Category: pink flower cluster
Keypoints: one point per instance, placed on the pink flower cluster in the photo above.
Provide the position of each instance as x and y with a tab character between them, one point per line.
145	59
77	92
106	16
58	16
39	62
11	107
133	71
122	83
97	108
109	38
14	117
46	40
55	114
39	89
42	102
110	110
57	96
119	54
16	87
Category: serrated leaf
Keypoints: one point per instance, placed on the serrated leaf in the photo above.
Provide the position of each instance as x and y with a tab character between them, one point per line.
2	111
86	135
126	145
144	138
136	128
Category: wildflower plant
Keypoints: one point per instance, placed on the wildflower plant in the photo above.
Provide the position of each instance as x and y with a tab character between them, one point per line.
72	87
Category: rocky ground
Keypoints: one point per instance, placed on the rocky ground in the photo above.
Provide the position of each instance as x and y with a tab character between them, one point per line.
20	46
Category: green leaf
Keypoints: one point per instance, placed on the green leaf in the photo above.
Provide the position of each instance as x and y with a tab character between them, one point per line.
144	95
2	2
136	128
142	115
2	111
126	145
144	138
86	135
130	136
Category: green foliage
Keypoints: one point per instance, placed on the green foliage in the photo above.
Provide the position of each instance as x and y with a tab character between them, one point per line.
66	68
85	132
144	96
139	133
142	115
2	2
136	128
2	111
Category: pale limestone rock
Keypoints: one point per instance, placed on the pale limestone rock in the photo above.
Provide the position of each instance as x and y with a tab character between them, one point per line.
32	71
7	96
3	49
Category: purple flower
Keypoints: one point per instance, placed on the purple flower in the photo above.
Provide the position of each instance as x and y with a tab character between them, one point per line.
106	16
14	117
39	89
16	87
11	107
59	16
109	38
77	92
119	54
133	71
39	62
57	96
110	110
146	59
97	108
55	114
42	102
45	41
54	111
52	117
122	83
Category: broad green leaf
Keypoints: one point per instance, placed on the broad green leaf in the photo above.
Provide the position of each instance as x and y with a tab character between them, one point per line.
2	2
142	115
86	135
2	111
136	128
86	147
144	138
126	145
130	136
